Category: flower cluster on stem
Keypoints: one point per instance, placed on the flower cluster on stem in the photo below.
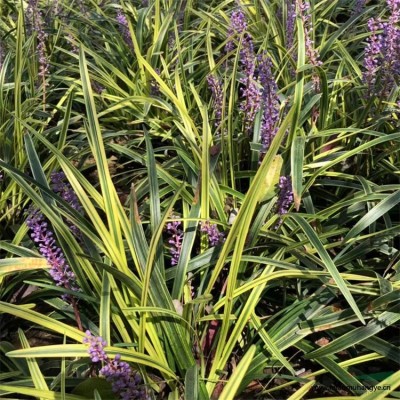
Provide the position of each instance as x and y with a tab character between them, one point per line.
311	52
290	23
215	85
60	271
285	198
250	91
124	28
124	382
382	53
60	186
237	26
214	236
270	103
43	236
175	240
35	18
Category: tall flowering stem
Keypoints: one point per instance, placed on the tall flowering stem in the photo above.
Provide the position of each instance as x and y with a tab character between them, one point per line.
359	5
124	382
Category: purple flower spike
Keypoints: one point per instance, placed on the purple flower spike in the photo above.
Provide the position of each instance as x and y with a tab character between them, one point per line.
34	16
215	86
124	382
65	191
382	53
96	347
124	28
215	237
176	238
60	271
285	198
237	26
270	103
311	52
290	23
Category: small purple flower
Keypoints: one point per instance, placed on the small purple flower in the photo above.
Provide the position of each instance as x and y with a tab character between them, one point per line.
176	238
285	198
42	235
215	237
